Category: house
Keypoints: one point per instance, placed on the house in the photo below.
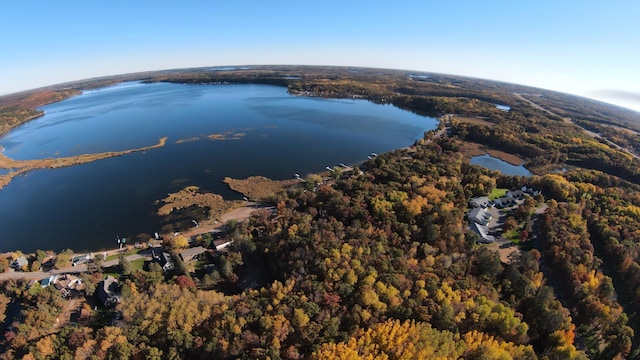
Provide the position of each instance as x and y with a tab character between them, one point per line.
77	285
20	263
166	261
51	280
481	201
504	201
483	232
530	191
516	194
479	216
70	282
108	291
190	253
80	259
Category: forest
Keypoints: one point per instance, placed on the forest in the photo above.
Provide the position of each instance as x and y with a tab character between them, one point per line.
380	262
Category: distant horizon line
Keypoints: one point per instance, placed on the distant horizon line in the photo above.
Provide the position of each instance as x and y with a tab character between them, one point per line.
611	92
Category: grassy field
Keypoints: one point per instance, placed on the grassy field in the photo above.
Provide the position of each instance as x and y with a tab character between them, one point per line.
497	193
115	269
513	235
477	120
137	264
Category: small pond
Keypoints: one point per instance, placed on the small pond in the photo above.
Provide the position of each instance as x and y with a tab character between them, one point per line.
504	167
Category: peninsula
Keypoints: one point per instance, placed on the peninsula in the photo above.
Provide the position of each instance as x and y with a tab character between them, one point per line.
19	167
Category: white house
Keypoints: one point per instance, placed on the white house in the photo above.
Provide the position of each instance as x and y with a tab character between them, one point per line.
483	232
504	201
481	201
479	216
166	262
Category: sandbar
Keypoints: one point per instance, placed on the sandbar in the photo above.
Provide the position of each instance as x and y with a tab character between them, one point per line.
23	166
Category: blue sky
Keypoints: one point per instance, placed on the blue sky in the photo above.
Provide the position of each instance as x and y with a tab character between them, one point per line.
585	47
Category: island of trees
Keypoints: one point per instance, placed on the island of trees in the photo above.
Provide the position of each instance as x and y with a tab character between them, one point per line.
378	261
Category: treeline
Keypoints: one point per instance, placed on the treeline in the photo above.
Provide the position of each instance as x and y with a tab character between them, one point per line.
224	78
19	108
445	105
10	118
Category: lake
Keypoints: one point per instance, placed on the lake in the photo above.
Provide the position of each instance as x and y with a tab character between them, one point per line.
268	132
504	167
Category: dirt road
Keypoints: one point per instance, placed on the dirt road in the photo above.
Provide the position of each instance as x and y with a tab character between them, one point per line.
238	214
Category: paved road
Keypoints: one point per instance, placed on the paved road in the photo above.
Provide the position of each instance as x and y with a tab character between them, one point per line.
38	275
239	214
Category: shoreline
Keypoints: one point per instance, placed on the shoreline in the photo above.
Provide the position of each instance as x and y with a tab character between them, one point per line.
238	214
6	131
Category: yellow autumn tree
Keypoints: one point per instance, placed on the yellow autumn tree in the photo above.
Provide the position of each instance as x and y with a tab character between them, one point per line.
415	340
46	346
178	242
414	206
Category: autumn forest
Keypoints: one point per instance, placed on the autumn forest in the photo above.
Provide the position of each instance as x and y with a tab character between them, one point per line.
380	262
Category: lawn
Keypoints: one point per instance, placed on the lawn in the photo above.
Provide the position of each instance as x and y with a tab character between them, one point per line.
137	264
497	193
115	256
111	257
111	271
115	269
512	235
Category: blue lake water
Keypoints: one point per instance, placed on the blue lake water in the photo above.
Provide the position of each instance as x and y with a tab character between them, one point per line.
504	167
84	207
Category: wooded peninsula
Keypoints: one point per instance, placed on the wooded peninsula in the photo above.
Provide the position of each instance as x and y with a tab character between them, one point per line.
377	261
